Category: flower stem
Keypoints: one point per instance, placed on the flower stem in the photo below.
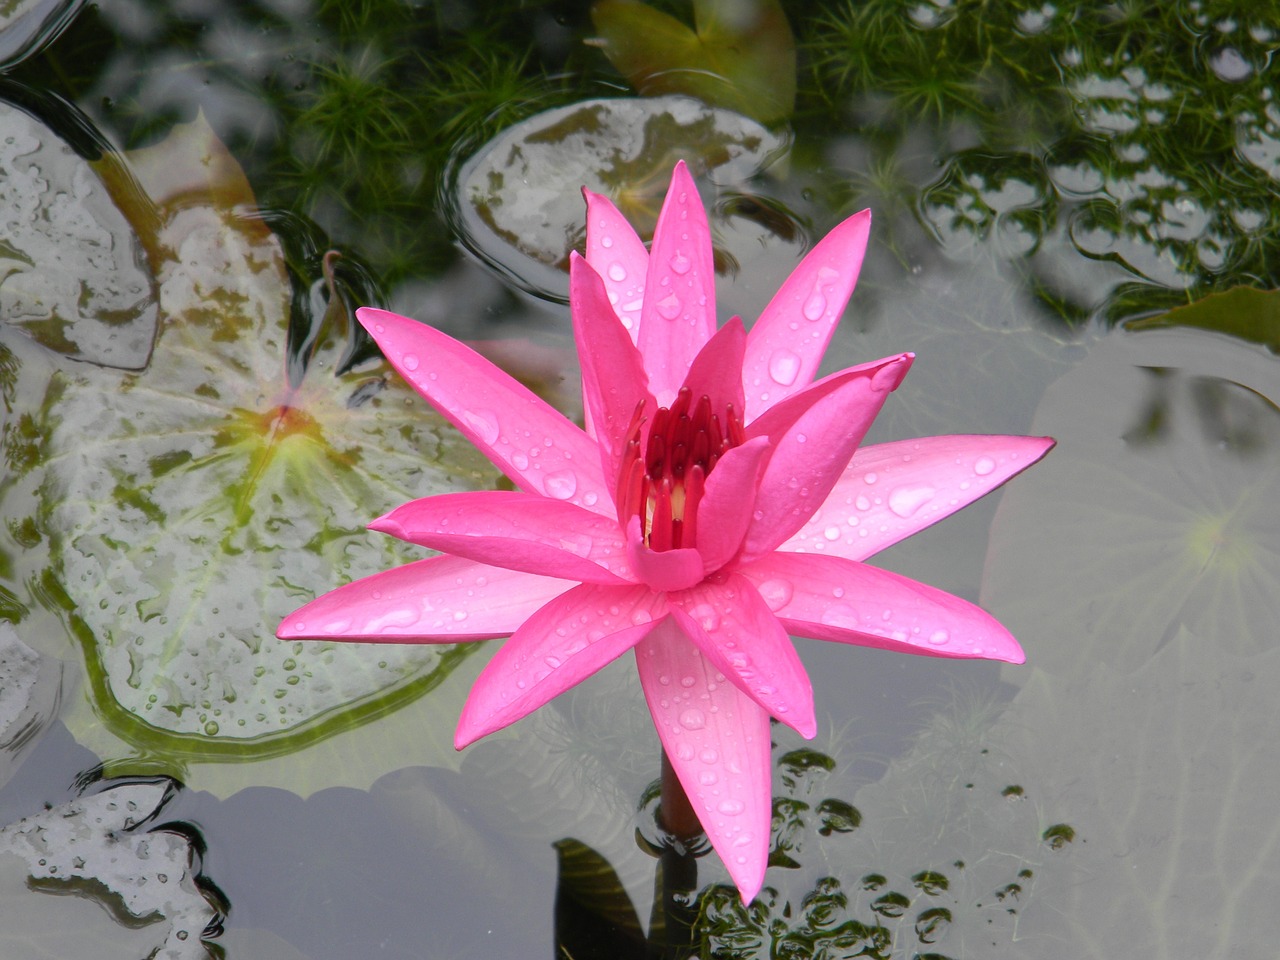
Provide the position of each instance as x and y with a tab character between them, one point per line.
677	814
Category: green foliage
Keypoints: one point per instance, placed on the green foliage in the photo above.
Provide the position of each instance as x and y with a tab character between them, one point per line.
1146	129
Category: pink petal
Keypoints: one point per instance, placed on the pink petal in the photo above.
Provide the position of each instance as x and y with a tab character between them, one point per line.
619	256
728	501
436	600
717	740
561	645
517	531
613	377
679	313
891	490
662	570
529	440
785	346
831	598
735	630
814	434
716	371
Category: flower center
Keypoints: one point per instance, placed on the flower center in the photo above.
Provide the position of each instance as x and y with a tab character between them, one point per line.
664	470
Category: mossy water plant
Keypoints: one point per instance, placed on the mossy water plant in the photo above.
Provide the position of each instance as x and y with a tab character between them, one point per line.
1146	132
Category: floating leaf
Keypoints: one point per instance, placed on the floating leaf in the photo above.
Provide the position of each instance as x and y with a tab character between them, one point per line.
95	847
192	505
1157	510
1244	312
742	54
28	26
30	688
1140	570
517	203
72	273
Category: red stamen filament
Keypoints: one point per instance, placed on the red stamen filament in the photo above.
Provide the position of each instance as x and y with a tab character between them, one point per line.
663	474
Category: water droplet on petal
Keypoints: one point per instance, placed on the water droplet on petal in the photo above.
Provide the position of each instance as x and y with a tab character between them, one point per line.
693	719
984	466
905	501
731	808
483	422
862	503
870	478
784	367
617	272
687	681
939	637
669	307
561	485
776	593
815	306
708	755
831	533
706	615
685	752
606	242
410	361
708	778
680	264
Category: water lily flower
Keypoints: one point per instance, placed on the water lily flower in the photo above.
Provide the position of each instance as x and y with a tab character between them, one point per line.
716	502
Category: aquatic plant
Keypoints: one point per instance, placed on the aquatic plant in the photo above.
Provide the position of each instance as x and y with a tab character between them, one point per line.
715	503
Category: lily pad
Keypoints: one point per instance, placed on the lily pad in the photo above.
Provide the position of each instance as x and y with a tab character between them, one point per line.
28	26
1141	572
73	273
741	54
517	204
30	688
1156	511
192	505
1244	312
96	848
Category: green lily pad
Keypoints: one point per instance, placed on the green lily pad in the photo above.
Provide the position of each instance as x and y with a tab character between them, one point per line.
1245	312
190	506
72	270
517	203
741	54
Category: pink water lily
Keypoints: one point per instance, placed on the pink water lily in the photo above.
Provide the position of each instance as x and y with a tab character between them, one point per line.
716	502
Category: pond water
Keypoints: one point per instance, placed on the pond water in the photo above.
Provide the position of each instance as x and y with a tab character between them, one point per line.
1075	229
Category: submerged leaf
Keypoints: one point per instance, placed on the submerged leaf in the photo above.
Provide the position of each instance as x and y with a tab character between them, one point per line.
1147	601
742	55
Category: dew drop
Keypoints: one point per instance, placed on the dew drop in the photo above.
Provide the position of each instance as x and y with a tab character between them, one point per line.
984	466
680	264
906	501
685	752
776	593
687	681
815	306
832	533
669	307
870	478
784	367
708	756
561	485
483	422
606	242
617	272
939	637
410	361
862	503
731	808
706	615
693	719
707	777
